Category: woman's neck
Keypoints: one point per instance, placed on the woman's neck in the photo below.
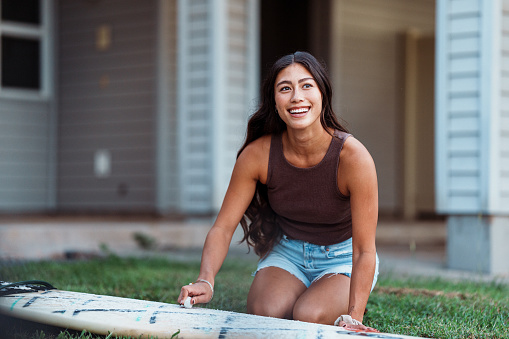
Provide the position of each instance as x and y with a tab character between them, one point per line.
306	147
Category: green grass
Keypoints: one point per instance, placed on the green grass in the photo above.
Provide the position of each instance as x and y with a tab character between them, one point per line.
426	307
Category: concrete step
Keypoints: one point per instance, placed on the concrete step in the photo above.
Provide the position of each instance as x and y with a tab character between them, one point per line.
60	237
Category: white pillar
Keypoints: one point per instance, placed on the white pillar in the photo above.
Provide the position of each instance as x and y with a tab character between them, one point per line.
472	132
217	61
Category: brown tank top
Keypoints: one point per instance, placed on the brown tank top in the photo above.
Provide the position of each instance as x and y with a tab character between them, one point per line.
307	201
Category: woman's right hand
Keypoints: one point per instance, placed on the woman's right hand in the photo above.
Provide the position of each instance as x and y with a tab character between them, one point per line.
250	167
200	292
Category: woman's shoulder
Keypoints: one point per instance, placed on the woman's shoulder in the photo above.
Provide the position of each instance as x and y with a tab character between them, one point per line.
257	152
254	159
257	148
354	153
356	167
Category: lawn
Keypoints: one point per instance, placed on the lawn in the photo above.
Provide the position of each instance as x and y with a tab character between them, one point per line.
426	307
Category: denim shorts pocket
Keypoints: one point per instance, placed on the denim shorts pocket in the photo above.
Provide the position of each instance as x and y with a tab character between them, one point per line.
341	250
338	254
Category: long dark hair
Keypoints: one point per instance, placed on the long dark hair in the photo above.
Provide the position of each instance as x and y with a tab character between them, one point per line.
263	232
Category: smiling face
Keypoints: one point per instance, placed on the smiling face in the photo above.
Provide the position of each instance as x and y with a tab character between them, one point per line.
298	98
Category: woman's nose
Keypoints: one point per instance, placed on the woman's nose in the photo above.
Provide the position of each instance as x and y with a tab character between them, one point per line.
297	95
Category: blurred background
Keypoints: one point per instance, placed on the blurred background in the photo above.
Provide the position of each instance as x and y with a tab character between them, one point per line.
131	111
132	106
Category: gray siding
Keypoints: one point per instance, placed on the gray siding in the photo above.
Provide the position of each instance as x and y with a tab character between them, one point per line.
194	105
240	101
472	107
504	111
107	102
25	156
458	120
463	105
217	60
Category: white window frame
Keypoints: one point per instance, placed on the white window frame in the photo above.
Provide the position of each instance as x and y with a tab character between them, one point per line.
43	33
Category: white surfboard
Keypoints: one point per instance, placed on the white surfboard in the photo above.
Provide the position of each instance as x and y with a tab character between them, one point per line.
103	315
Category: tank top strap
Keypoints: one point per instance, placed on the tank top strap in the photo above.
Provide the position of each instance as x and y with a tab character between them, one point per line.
276	156
338	142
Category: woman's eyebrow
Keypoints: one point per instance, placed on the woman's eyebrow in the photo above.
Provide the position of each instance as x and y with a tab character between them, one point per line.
305	79
289	82
283	82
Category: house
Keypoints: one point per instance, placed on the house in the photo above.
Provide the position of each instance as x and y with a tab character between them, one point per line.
140	106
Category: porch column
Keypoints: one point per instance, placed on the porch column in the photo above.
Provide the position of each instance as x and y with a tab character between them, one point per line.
217	88
472	132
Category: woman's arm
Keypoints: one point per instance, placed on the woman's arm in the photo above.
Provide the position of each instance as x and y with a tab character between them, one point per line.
359	175
248	170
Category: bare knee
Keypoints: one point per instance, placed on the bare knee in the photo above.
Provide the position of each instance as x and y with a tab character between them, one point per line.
273	293
324	301
269	308
311	314
317	312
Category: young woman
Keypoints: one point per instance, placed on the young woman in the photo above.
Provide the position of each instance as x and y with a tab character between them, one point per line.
305	192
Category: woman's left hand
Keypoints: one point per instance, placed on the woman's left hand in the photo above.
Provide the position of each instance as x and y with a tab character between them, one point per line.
357	328
348	323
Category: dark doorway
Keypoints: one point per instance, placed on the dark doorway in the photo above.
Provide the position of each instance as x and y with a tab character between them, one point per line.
294	25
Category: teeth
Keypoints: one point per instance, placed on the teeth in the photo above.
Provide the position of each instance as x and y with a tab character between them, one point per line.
300	110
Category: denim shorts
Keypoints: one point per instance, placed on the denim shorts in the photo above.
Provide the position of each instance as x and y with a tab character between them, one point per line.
309	262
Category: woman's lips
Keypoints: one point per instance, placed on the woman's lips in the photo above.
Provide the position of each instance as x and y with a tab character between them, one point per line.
299	111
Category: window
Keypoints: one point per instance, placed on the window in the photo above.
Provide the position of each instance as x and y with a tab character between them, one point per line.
20	63
24	39
27	11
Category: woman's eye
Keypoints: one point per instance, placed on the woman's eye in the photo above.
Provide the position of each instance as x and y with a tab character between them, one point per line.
285	88
307	86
